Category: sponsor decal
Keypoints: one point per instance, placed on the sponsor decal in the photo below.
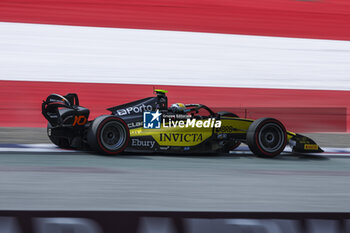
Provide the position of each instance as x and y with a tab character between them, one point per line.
134	109
226	129
142	143
310	147
135	124
151	120
181	137
56	100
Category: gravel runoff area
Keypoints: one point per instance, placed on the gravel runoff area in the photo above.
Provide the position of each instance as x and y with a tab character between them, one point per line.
10	135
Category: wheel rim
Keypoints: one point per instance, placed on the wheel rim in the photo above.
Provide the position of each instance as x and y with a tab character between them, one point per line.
113	135
271	137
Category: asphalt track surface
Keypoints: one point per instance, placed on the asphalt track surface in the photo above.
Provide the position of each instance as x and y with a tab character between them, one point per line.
239	182
235	182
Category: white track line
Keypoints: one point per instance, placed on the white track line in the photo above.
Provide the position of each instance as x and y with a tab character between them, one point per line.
33	148
329	151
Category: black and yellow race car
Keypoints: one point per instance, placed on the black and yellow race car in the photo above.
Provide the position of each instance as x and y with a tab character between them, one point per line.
150	125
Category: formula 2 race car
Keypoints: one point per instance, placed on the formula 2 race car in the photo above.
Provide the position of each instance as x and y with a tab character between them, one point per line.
149	125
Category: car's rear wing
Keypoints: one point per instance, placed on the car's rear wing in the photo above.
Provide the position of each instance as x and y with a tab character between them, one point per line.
50	107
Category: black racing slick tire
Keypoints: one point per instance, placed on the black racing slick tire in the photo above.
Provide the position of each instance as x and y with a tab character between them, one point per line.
266	137
108	135
235	143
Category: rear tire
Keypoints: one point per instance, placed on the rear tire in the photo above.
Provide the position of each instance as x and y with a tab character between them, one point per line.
108	135
266	137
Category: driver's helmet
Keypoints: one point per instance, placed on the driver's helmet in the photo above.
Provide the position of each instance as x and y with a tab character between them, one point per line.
177	108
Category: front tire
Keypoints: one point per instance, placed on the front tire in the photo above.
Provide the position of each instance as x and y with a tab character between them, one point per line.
266	137
108	135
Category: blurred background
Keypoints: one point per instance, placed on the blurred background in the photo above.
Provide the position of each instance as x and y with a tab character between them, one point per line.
225	54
